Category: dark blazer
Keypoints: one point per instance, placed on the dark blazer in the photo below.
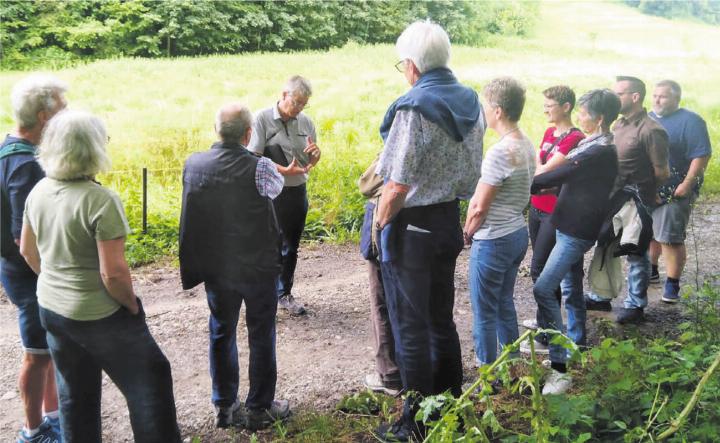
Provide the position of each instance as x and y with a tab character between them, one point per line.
586	182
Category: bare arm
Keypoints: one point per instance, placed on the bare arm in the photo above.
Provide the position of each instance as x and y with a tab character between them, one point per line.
28	248
115	273
478	209
696	170
661	173
556	160
391	201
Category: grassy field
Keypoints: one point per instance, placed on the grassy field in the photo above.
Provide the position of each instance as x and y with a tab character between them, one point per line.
159	111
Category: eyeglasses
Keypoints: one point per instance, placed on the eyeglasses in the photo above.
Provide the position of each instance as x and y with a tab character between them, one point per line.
298	105
400	66
550	106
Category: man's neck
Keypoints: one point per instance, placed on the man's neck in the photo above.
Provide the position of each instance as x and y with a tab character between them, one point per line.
634	113
31	135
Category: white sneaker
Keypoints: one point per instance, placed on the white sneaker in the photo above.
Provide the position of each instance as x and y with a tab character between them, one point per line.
374	382
288	303
557	383
530	323
539	348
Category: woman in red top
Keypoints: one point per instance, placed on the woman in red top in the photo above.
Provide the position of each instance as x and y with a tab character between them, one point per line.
558	140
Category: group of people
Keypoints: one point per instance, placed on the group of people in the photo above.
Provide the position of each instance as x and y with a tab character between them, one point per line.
63	262
627	185
243	211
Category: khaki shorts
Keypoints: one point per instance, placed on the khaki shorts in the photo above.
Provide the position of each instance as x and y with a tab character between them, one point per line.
671	219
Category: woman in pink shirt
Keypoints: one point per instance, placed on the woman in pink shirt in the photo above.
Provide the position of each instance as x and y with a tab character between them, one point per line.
559	139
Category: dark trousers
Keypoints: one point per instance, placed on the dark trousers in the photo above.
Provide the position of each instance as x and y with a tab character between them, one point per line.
418	255
381	328
260	310
291	208
120	345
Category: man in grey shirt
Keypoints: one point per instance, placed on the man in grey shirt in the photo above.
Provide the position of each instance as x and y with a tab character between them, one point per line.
286	135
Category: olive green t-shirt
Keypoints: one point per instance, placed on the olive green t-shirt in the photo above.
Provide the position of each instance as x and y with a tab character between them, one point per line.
68	218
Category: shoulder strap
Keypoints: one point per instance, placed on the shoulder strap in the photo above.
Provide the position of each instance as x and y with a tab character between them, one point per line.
556	143
16	148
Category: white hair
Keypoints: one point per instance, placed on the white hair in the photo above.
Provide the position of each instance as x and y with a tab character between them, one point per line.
35	93
426	44
73	146
297	85
232	122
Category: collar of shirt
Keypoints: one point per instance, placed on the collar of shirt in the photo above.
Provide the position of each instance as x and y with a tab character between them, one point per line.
276	113
635	118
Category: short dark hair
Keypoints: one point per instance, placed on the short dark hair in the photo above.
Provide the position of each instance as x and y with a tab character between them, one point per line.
674	87
508	94
561	94
601	102
636	84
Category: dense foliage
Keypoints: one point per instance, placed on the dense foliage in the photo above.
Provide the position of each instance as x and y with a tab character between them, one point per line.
36	33
637	389
705	10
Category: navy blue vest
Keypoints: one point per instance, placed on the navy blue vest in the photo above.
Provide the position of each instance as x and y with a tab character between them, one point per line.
228	232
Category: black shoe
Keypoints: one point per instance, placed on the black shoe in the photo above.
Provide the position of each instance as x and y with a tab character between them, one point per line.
257	419
655	277
594	305
633	315
226	416
401	431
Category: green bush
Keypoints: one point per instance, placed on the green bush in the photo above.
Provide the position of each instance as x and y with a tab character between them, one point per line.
58	33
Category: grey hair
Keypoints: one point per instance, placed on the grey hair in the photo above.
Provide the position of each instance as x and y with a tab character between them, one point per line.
73	146
33	94
507	94
601	102
674	87
426	44
232	122
297	85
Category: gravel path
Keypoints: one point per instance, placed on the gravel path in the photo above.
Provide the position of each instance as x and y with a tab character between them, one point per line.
321	356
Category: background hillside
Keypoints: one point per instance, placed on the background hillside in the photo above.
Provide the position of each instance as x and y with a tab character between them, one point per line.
158	111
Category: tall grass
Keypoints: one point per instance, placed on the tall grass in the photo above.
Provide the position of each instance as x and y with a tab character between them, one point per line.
160	111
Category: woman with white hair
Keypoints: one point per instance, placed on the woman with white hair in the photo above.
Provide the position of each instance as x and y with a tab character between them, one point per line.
73	237
432	155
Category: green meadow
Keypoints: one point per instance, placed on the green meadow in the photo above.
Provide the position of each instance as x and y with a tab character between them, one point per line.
159	111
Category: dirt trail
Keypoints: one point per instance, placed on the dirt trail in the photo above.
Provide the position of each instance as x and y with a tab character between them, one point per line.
321	356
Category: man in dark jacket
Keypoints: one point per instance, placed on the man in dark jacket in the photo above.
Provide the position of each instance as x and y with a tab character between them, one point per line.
230	241
35	100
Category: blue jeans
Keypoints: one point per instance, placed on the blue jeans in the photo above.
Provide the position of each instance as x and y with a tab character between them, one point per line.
542	238
21	289
120	345
418	271
567	252
260	310
291	208
493	269
638	281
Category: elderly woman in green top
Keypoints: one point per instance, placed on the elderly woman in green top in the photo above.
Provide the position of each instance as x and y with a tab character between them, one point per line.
73	237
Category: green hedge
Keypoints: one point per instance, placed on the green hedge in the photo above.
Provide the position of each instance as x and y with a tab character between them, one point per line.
63	32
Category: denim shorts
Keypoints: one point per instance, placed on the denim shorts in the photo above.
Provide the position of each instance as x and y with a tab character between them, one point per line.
22	292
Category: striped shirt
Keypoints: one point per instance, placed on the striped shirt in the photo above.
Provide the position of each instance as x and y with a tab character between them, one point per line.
268	180
508	165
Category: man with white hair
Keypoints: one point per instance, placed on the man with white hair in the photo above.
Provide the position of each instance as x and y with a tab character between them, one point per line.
35	100
690	152
230	241
432	156
287	136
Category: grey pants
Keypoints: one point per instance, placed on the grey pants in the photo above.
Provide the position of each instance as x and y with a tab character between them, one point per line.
381	330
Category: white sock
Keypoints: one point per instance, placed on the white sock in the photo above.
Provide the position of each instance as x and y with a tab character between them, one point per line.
53	414
30	432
